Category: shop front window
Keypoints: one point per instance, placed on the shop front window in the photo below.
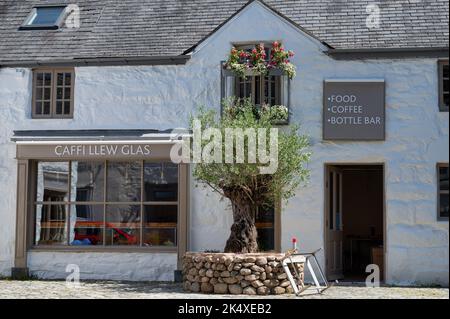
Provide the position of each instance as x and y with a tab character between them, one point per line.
106	203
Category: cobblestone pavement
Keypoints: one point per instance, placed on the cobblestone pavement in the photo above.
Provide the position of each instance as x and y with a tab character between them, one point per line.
144	290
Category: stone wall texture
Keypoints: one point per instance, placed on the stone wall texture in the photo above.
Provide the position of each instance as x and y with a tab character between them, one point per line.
161	97
236	274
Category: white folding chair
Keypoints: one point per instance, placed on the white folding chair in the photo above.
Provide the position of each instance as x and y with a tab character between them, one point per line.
295	280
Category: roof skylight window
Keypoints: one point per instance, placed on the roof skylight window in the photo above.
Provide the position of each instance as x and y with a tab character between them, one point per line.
45	17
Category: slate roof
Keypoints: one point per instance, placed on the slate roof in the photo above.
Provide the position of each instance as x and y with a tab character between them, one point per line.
148	28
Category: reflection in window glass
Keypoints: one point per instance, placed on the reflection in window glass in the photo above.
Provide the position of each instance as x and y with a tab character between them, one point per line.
160	182
51	225
123	223
86	225
52	182
160	225
124	182
71	208
46	15
89	180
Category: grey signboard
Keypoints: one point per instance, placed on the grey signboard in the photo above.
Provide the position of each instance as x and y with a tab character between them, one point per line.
354	110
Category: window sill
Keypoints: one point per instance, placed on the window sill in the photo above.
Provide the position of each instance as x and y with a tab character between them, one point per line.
103	249
38	27
274	72
51	118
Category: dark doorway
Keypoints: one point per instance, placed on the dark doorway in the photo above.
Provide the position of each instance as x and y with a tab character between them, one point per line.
355	226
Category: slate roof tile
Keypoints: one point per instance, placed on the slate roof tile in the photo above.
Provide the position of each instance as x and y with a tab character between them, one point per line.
117	28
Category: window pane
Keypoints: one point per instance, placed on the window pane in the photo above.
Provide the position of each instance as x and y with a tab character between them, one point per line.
88	180
265	221
48	79
445	71
245	87
39	94
160	182
443	209
39	79
123	225
58	107
46	15
257	90
59	93
53	181
38	107
51	225
67	78
124	182
67	93
160	225
86	225
67	107
46	108
47	93
443	178
60	77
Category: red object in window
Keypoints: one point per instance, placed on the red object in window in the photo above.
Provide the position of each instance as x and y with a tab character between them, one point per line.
96	238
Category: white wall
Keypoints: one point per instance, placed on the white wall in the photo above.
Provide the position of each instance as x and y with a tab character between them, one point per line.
104	266
161	98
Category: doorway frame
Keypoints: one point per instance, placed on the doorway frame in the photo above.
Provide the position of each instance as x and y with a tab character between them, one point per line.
326	206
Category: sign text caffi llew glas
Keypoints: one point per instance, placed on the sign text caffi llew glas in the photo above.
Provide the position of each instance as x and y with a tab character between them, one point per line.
102	150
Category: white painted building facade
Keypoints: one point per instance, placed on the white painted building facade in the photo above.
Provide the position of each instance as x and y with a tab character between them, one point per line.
416	242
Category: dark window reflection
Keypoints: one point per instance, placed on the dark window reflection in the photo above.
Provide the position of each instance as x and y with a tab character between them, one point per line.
89	178
160	182
87	228
160	224
124	182
123	224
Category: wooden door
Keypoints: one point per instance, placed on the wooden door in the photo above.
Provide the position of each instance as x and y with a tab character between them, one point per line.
334	227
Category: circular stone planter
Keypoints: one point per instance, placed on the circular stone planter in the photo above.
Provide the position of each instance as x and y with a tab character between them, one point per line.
249	274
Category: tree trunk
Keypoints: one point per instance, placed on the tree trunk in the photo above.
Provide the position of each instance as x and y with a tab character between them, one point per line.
243	231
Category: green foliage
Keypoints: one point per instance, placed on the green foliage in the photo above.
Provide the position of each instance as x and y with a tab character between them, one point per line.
293	155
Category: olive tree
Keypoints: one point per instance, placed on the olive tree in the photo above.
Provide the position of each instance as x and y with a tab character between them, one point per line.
243	183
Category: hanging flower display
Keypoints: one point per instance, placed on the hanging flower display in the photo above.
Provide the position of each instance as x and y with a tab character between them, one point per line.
240	61
280	58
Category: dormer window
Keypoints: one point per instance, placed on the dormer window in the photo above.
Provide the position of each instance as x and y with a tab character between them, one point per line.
44	18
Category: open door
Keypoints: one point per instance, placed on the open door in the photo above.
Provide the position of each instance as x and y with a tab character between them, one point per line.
334	244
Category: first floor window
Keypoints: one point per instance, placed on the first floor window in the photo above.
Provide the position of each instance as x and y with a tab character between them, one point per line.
106	203
443	85
260	89
443	191
53	93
